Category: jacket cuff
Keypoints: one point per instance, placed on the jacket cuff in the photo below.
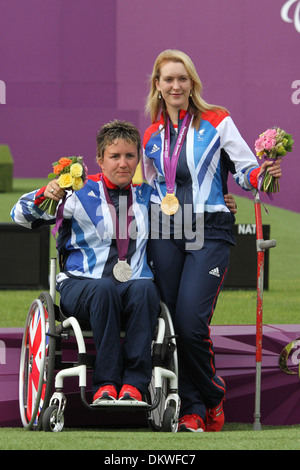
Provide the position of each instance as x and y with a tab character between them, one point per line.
39	197
253	177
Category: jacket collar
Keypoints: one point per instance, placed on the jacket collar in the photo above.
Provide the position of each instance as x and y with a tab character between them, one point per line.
111	185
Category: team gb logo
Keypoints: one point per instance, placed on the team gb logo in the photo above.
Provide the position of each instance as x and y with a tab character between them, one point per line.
286	13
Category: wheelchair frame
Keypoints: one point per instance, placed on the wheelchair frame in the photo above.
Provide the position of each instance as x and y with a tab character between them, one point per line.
45	327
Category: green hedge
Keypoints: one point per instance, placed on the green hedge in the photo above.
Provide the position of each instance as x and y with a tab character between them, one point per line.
6	169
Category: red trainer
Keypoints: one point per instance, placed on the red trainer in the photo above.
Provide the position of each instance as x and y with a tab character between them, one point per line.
215	418
107	392
191	423
128	392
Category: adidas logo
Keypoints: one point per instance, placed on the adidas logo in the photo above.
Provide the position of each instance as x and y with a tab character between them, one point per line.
155	148
91	193
215	272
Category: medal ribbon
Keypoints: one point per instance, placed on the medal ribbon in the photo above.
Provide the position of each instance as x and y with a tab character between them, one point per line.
121	239
170	164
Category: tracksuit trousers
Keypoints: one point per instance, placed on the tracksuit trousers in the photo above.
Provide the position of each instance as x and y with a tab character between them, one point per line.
189	282
109	307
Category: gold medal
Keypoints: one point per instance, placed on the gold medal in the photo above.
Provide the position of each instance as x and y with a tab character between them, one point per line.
169	204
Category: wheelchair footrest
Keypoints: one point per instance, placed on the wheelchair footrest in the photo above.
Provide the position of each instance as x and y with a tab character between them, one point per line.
129	404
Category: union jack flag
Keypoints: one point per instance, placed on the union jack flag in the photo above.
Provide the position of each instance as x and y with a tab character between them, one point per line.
36	355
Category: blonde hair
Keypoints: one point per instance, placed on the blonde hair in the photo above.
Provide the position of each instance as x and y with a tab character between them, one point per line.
197	105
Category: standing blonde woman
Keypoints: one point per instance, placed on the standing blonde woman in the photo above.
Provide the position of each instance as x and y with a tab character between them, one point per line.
188	151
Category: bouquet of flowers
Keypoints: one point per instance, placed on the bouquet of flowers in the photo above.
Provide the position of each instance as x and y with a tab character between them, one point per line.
71	173
272	144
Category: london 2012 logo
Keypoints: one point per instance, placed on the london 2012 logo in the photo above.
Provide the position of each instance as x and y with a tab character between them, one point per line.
289	358
290	13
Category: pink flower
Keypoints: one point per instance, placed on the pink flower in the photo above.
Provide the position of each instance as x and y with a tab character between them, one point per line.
259	144
269	143
270	133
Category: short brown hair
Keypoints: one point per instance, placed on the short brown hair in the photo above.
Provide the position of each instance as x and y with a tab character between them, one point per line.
117	130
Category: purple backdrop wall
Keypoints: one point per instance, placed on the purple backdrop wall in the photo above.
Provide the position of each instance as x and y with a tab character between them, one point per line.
70	65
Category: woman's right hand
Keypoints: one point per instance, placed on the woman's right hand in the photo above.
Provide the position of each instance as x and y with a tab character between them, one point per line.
54	191
230	203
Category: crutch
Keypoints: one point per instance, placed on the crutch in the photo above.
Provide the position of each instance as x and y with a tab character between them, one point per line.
261	246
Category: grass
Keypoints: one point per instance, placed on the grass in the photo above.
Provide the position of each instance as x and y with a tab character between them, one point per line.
232	437
281	305
281	302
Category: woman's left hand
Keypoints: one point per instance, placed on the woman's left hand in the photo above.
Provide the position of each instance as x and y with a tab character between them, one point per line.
273	167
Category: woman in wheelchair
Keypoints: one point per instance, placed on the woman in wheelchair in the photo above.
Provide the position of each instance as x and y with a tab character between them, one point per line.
104	278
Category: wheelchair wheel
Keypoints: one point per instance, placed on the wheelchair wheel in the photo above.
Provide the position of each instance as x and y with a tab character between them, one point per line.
52	421
163	414
169	422
37	362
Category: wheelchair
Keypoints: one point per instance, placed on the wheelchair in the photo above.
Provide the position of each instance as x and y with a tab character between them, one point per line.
42	401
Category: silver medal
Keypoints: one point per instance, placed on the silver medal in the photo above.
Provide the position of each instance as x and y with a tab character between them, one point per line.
122	271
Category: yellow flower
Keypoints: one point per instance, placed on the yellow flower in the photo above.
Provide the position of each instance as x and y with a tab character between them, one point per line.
65	180
77	184
76	170
260	154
